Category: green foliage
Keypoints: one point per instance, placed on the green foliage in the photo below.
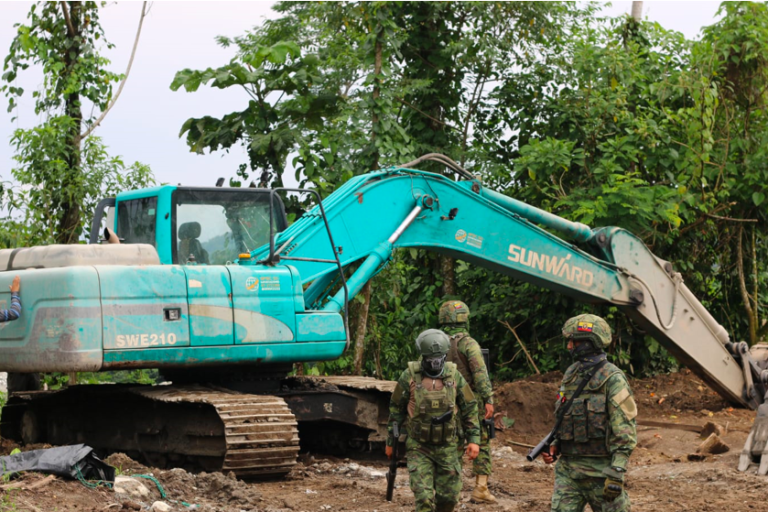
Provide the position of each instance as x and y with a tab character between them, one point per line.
61	173
42	172
58	380
610	122
72	67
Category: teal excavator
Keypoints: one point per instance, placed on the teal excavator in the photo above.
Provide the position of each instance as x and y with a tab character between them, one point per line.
213	288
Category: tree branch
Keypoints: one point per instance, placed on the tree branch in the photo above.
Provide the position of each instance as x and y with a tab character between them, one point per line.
530	360
70	28
127	72
414	107
729	219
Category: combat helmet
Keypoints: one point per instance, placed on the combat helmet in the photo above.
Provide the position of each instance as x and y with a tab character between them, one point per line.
453	312
589	327
433	346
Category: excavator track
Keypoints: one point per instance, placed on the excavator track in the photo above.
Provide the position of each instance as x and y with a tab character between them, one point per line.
201	427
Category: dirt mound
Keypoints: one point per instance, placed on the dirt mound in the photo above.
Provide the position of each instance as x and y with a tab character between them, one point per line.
530	403
680	391
125	464
216	487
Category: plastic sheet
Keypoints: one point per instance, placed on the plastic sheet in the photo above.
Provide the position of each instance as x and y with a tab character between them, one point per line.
75	461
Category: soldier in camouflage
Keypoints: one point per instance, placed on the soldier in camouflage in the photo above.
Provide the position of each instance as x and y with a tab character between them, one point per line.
598	432
426	391
466	355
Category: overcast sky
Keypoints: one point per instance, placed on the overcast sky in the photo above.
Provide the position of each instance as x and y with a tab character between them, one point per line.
145	122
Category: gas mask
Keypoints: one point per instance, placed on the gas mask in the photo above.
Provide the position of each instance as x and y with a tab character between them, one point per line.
433	366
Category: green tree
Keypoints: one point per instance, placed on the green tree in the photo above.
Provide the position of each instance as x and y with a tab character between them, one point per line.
57	160
628	124
337	89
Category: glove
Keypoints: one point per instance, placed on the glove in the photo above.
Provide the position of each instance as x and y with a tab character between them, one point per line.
389	450
614	484
612	489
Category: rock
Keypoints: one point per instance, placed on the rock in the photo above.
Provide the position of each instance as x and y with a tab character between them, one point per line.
697	457
712	428
714	445
131	487
131	505
160	506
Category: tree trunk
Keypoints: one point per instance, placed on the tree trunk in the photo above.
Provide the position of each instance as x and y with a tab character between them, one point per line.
376	94
69	223
637	11
755	290
361	318
361	326
448	271
743	289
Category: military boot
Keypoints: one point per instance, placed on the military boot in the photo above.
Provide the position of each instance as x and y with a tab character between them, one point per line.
444	507
481	494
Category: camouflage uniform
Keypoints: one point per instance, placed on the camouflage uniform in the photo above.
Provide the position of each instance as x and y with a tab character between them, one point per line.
465	353
597	435
434	462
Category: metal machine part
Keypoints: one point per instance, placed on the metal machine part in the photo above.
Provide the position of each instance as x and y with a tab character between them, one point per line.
261	310
189	426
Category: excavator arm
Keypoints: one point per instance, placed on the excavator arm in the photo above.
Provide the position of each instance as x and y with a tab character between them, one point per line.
373	214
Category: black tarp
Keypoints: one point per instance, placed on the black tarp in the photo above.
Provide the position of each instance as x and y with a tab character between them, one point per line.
68	461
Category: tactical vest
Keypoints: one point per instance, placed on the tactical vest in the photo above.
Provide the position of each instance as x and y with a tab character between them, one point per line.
459	359
584	431
433	404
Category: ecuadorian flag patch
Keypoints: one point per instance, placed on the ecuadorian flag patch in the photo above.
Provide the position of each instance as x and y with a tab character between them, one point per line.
561	398
584	327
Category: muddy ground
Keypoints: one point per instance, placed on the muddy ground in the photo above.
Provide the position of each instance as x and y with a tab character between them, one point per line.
661	476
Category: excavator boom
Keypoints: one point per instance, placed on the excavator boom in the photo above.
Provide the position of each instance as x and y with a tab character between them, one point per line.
373	214
85	309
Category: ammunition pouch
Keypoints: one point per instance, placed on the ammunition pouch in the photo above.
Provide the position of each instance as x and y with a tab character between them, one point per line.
584	428
427	433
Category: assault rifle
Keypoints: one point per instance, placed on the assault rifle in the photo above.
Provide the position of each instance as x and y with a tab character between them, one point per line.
392	473
545	443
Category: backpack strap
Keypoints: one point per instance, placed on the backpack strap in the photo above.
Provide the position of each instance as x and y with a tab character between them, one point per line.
415	370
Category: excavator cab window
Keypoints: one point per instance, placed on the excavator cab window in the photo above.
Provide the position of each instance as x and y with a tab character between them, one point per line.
137	219
214	226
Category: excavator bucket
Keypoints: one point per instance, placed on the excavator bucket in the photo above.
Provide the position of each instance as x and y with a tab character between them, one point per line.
755	451
756	448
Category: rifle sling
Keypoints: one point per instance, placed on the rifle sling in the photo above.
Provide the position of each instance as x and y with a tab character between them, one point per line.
565	408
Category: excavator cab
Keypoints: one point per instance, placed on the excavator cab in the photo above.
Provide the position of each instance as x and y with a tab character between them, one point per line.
202	226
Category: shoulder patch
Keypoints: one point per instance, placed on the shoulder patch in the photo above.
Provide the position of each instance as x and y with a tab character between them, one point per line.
623	399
